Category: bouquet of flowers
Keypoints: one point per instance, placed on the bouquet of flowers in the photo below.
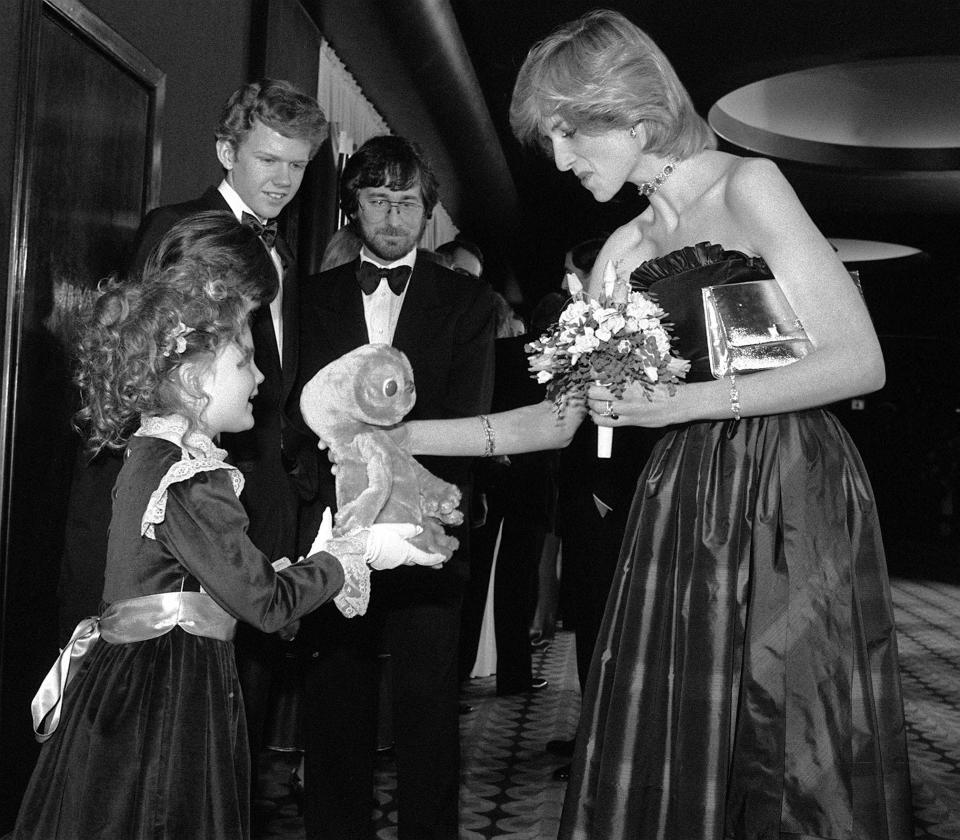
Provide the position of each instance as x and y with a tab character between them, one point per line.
615	340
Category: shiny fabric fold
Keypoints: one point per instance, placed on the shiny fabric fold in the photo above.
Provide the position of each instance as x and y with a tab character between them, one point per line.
745	681
133	620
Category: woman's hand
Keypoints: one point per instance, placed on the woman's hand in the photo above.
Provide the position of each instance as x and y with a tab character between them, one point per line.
636	407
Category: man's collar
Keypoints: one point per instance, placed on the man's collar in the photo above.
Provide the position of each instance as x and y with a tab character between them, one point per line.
409	259
237	204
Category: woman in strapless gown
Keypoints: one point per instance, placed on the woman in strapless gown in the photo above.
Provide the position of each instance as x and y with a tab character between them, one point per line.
745	682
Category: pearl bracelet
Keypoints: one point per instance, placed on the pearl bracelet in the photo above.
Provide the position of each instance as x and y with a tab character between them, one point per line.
491	441
734	397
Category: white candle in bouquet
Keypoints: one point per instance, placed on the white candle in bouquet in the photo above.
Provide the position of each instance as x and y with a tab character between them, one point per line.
605	433
604	441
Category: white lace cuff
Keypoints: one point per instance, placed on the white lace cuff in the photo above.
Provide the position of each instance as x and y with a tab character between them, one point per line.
353	598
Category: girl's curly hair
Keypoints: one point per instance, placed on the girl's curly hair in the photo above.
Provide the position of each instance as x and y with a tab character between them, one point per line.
193	297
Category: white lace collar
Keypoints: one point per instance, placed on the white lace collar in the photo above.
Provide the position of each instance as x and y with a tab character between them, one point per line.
199	455
173	427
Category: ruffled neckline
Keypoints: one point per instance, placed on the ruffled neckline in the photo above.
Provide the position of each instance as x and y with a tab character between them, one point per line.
173	427
687	258
198	454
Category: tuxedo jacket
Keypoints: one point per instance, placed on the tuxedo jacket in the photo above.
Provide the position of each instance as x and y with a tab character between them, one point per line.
446	330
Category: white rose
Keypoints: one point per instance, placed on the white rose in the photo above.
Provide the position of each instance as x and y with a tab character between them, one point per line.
586	343
640	306
613	322
575	312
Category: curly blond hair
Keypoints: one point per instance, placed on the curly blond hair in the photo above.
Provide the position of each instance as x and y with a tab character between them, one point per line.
144	343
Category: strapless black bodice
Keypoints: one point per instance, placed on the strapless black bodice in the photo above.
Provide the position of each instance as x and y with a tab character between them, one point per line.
676	281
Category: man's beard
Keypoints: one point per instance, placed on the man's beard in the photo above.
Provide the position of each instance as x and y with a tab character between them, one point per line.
393	250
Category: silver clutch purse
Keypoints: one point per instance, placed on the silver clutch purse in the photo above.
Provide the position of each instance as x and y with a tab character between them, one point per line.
751	326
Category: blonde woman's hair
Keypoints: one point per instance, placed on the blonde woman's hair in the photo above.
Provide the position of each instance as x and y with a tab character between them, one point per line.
602	72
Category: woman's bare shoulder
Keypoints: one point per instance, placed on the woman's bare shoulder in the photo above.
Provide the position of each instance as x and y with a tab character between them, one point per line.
623	248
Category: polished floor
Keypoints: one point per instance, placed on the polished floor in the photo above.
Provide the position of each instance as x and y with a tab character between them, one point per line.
507	789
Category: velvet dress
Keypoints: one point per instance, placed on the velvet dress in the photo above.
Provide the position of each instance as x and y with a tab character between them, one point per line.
745	681
152	741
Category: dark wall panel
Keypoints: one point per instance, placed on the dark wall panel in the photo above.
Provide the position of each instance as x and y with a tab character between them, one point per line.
204	48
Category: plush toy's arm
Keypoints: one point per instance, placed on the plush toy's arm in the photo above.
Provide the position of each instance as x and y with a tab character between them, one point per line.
438	498
362	511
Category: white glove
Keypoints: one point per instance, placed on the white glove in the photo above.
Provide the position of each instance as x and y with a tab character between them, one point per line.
324	533
386	544
387	547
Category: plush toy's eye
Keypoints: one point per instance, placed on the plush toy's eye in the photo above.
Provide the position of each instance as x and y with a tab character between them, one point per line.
390	388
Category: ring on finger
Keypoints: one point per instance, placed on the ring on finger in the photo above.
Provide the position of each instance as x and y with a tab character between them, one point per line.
607	409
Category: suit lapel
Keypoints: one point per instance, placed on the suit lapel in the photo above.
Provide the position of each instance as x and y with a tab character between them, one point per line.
340	305
421	305
291	315
214	200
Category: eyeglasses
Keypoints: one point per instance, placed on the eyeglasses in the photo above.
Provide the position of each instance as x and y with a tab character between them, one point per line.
377	209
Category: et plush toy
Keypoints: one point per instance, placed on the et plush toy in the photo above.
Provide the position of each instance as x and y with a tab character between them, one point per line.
351	405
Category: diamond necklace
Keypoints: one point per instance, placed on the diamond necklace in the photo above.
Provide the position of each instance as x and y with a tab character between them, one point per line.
648	189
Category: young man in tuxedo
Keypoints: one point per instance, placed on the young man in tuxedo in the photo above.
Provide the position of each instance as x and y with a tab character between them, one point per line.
267	133
444	323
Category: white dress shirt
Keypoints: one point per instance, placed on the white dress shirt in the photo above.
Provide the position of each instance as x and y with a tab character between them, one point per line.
381	310
239	207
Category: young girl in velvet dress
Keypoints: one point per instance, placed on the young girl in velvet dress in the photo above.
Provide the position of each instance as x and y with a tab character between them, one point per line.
148	738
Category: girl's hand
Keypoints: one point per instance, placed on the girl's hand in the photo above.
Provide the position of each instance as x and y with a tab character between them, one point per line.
637	406
385	546
388	547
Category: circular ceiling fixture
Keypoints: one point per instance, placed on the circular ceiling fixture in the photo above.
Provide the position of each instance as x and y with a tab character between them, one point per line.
867	250
877	136
893	113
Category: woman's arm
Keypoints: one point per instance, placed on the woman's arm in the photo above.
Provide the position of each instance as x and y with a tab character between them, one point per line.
762	210
526	429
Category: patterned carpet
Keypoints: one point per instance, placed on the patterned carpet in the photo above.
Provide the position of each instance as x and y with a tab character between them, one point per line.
507	790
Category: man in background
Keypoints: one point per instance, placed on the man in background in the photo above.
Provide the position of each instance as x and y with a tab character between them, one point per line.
463	256
444	323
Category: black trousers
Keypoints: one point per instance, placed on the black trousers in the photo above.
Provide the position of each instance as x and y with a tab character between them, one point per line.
414	616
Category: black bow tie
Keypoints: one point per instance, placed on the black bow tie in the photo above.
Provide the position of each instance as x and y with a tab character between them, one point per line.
267	232
370	275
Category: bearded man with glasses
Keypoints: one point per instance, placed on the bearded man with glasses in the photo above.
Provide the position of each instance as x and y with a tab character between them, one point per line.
444	322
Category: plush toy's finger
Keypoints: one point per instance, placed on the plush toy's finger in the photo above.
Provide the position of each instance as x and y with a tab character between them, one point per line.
324	533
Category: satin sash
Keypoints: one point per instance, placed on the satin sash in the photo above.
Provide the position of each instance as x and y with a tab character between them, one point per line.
132	620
